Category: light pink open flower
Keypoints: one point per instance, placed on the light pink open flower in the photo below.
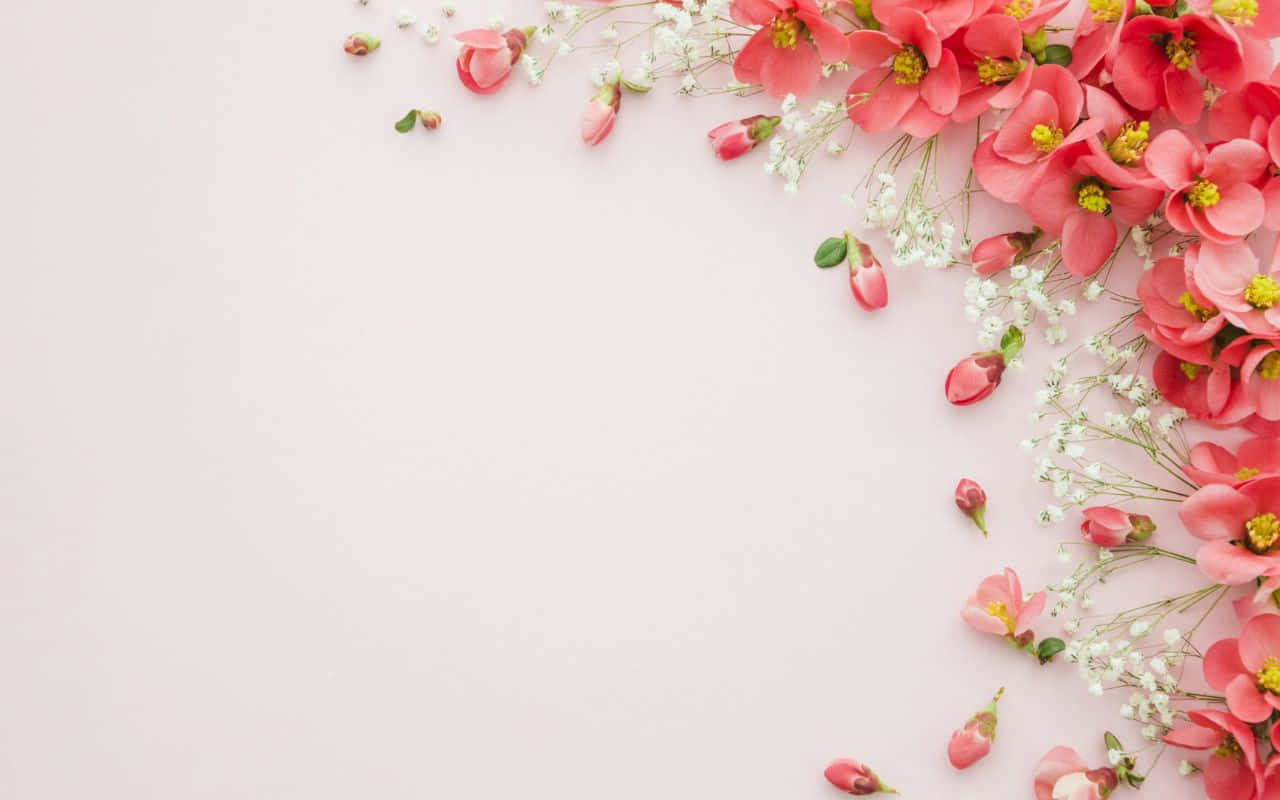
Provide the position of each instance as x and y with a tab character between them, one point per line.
1231	279
787	53
1152	67
1232	772
1247	669
1211	193
918	88
485	60
1239	527
998	607
1175	314
1212	463
1063	775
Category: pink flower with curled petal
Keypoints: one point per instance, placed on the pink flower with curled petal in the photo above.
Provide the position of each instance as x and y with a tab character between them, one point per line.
1247	669
1175	314
1212	463
998	607
1152	67
1212	393
1239	527
918	89
1233	770
1231	278
996	72
787	53
1108	526
485	60
1063	775
1211	193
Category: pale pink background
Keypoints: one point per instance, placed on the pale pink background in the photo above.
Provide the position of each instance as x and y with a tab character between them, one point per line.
339	463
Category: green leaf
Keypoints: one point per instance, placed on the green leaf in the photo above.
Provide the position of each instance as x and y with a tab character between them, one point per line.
1112	743
1049	648
1058	54
831	252
1011	343
406	124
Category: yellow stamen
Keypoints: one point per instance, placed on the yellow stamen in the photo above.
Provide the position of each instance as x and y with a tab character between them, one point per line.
1269	675
998	610
1269	367
1129	145
786	31
1092	197
1260	535
1262	292
1192	371
1229	748
997	70
1181	52
1202	194
1195	309
1237	12
1106	10
1046	138
1245	473
910	66
1019	9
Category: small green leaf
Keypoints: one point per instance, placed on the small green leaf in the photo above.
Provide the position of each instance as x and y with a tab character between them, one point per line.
1049	648
1058	54
1112	743
406	124
1011	343
831	252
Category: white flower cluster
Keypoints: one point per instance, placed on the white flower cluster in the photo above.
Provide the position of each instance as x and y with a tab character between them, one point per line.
801	136
918	233
1104	663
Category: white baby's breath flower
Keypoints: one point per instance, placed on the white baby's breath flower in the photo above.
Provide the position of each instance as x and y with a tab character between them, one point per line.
430	33
405	18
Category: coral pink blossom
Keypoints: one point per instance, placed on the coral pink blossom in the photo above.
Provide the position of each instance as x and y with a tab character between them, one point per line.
485	60
972	743
1208	392
1239	527
1247	669
974	378
1232	772
1231	279
1213	463
600	114
945	16
786	55
1152	67
997	607
1118	157
1063	775
733	139
854	777
1263	600
1259	372
1175	314
1211	193
1108	526
995	74
866	277
1097	34
919	87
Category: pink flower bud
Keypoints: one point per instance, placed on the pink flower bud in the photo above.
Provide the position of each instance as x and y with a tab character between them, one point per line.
997	253
971	743
737	138
430	119
361	44
485	58
973	502
866	276
854	777
601	112
974	378
1107	526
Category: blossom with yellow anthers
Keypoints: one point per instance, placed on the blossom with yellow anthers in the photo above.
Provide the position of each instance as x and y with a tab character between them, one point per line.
1229	748
1092	197
1196	310
1019	9
1106	10
1262	292
1269	676
909	66
998	70
1181	52
1129	145
1046	138
1192	371
785	31
1269	366
1237	12
998	610
1202	194
1260	535
1245	473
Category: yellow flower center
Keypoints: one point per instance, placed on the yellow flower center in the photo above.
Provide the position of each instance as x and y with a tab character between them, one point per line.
997	70
1018	9
786	31
1269	367
909	65
1262	292
1237	12
1260	536
1269	675
1129	145
1181	52
998	610
1106	10
1195	309
1092	197
1245	473
1229	748
1202	194
1192	371
1046	138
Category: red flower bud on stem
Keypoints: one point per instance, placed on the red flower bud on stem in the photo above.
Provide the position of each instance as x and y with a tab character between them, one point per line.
971	743
361	44
855	778
973	502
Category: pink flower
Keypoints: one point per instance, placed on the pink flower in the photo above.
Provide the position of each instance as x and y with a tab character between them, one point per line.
997	253
1152	67
601	111
485	60
1212	463
855	778
974	378
787	54
997	607
1063	775
971	743
995	75
1108	526
1175	314
1208	392
361	44
733	139
1232	772
866	277
1097	34
1211	193
1239	527
972	501
918	89
1247	669
1231	279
